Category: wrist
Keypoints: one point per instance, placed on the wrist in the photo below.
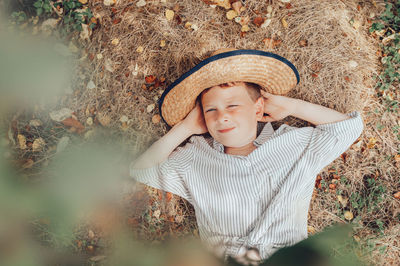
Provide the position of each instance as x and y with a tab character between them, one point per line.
185	128
292	106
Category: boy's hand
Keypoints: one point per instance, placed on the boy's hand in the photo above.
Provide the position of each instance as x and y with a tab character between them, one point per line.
276	106
195	122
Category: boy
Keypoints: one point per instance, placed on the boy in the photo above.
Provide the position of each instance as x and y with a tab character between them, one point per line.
250	185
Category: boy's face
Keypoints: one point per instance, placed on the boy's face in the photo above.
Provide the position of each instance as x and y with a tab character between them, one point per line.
231	115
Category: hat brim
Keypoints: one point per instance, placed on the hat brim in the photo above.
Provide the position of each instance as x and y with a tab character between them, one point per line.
273	72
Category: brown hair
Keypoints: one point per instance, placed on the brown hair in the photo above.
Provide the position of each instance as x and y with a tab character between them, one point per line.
253	90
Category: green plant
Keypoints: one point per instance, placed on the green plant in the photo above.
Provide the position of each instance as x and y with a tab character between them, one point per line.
388	23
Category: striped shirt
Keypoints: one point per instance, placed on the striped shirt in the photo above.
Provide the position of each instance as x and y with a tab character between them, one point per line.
259	200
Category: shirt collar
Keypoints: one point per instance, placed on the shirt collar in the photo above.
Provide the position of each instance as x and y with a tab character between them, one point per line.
264	132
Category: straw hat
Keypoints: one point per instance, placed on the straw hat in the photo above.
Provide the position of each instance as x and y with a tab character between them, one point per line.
272	72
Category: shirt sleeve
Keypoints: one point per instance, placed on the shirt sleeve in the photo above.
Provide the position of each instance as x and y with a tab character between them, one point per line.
170	174
328	141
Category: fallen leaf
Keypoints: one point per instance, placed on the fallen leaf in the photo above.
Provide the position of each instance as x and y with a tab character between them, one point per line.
314	75
38	144
28	164
343	200
115	42
348	215
397	195
344	156
116	21
86	32
108	65
346	78
109	2
303	43
316	66
141	3
169	196
139	49
62	144
284	23
332	186
371	143
266	23
150	79
35	123
397	157
237	6
311	229
245	28
288	6
72	122
61	114
162	43
169	14
269	9
231	14
103	118
156	119
90	85
258	21
353	64
150	107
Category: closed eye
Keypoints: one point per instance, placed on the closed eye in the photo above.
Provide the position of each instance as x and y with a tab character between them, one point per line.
210	110
232	105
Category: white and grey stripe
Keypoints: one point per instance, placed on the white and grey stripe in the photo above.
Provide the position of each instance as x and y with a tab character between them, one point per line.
260	200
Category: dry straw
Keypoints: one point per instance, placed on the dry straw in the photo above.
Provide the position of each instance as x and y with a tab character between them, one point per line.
326	67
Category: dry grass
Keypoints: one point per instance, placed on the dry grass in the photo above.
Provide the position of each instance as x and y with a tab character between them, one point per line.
332	43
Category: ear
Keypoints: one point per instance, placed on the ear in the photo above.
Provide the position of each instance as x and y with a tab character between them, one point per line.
259	104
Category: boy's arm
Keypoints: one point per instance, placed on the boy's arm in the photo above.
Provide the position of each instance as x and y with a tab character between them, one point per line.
162	148
314	113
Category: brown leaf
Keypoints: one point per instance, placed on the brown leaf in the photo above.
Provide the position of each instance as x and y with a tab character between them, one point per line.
344	156
303	43
72	122
91	56
316	66
397	195
150	79
116	21
314	75
346	78
258	21
288	6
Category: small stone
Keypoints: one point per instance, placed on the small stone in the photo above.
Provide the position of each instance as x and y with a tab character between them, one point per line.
150	107
90	85
156	119
141	3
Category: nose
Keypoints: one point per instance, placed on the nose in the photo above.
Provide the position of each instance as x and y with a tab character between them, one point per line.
222	116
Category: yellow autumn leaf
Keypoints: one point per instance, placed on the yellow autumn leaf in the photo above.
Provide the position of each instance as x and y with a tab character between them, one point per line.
162	43
284	23
169	14
115	41
231	14
21	141
245	28
140	49
371	143
348	215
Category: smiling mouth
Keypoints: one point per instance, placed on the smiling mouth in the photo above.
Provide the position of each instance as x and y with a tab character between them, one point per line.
225	130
